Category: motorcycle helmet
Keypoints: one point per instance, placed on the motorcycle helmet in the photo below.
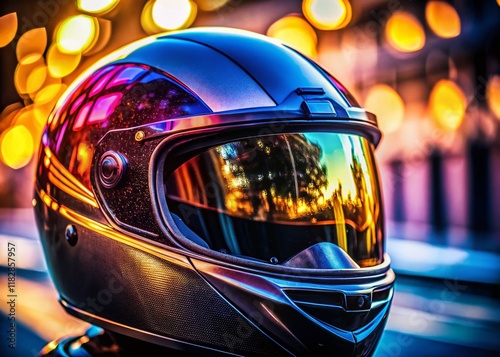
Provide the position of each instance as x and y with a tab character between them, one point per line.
215	191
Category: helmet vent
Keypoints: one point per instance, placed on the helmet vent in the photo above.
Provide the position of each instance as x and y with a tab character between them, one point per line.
346	311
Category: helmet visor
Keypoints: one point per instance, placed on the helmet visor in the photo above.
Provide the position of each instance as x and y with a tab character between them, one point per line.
271	197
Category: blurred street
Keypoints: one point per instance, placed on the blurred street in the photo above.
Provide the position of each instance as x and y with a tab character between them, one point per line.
437	310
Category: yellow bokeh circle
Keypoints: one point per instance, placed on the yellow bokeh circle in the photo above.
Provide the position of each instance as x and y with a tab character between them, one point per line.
493	95
96	6
76	34
443	19
16	147
404	32
295	32
383	101
173	14
447	104
327	14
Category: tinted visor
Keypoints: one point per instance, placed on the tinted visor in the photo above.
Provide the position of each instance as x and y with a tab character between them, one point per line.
272	197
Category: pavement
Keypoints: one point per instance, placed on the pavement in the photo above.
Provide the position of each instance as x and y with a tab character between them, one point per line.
446	299
418	250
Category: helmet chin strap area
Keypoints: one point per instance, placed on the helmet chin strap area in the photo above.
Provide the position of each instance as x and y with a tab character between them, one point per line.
323	255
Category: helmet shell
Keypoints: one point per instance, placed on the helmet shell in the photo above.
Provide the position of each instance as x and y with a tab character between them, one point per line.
114	259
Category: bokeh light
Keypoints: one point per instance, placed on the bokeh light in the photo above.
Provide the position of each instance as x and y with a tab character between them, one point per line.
49	93
61	64
39	78
36	78
8	28
295	32
493	95
211	5
9	112
31	45
16	147
22	73
104	27
447	105
327	14
442	19
96	6
76	34
147	22
45	100
404	32
26	118
49	80
173	14
387	105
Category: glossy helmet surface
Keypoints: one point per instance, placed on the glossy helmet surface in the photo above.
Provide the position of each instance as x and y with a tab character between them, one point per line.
214	191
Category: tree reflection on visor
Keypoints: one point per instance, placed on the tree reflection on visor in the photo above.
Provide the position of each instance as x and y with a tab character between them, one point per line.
271	197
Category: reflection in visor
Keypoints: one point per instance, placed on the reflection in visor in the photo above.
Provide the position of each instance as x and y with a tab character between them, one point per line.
271	197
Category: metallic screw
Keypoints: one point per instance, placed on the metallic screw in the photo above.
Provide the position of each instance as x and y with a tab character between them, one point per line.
361	301
274	260
140	135
71	235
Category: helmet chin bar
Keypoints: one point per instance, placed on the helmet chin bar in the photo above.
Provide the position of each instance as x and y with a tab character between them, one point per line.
325	317
323	255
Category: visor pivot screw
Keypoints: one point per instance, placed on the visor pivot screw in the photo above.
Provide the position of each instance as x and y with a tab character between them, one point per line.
361	301
71	235
139	136
112	167
223	251
274	260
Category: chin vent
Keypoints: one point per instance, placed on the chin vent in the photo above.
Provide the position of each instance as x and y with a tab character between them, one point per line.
345	311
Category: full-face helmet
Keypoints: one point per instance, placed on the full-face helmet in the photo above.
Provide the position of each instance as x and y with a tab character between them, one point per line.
215	191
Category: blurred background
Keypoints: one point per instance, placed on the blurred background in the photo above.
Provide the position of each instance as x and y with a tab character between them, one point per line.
430	70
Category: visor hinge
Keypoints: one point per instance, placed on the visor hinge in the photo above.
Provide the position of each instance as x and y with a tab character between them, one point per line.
315	107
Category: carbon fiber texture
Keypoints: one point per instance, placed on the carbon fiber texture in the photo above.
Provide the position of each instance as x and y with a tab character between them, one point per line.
134	288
